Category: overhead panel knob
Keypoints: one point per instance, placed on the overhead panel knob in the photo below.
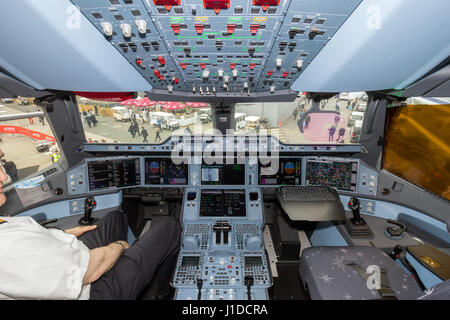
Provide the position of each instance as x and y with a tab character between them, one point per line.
226	78
220	73
235	73
142	26
205	75
299	64
126	29
107	28
278	62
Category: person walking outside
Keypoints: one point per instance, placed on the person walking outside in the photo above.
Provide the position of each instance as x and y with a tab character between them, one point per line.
307	121
157	131
136	128
131	130
159	124
341	134
338	105
295	113
144	134
331	132
94	120
337	118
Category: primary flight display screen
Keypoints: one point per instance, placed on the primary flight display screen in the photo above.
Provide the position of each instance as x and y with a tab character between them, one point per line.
164	171
222	203
223	174
105	174
341	175
289	172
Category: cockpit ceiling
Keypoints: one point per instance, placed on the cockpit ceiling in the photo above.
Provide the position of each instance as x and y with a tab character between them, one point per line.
262	49
247	46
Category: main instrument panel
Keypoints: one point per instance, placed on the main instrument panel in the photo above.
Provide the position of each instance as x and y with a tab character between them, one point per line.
221	47
245	161
222	255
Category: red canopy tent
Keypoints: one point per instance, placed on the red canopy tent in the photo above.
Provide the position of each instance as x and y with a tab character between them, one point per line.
174	106
197	104
129	102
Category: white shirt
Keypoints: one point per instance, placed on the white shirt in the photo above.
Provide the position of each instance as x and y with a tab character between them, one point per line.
40	263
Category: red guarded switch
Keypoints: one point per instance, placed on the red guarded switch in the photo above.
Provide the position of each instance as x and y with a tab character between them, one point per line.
167	3
285	74
202	65
269	73
232	66
230	28
183	65
265	4
139	62
161	60
254	28
176	80
199	28
176	28
217	5
252	66
157	74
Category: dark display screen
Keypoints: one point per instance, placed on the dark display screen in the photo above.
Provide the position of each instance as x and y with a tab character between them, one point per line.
252	261
222	203
113	173
289	173
341	175
164	171
190	261
223	174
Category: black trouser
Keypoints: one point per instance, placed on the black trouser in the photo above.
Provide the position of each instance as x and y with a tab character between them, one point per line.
155	252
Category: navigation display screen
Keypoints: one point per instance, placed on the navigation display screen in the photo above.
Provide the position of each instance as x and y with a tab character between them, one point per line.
222	203
223	174
289	173
105	174
341	175
164	171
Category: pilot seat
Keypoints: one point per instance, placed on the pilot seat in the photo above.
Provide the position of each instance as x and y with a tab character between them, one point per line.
344	273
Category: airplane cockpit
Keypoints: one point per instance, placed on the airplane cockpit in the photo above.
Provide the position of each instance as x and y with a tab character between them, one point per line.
301	146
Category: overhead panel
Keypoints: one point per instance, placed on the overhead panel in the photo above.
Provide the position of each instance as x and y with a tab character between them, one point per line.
218	48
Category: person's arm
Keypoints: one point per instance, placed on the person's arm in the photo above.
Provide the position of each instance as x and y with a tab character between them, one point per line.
78	231
102	259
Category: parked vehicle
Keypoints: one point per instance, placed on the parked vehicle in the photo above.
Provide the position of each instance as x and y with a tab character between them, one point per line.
168	120
356	133
361	107
205	118
252	122
121	114
239	120
343	96
356	118
205	115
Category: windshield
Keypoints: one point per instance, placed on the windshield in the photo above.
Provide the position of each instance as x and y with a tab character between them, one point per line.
141	120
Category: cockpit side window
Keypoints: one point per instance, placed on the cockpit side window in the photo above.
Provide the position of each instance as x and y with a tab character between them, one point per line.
27	141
